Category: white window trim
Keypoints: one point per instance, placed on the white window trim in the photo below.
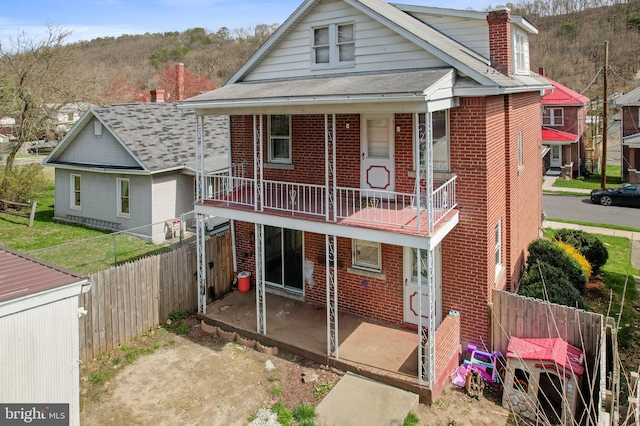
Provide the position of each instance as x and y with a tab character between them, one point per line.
520	151
498	248
119	212
270	138
356	265
72	188
334	53
520	43
552	120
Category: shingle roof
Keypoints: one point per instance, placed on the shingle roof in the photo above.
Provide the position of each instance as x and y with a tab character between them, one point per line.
162	136
21	275
631	98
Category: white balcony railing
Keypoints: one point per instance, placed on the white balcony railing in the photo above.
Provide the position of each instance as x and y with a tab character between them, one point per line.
396	209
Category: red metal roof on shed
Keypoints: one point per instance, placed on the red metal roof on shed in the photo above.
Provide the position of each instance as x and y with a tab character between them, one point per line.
21	275
556	350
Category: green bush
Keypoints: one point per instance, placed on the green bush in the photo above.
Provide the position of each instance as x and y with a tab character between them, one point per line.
587	244
545	251
558	287
23	182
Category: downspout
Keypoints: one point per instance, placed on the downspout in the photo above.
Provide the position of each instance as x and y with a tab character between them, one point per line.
232	223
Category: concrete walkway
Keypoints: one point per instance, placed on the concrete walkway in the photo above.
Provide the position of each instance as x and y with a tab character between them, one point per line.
550	179
357	401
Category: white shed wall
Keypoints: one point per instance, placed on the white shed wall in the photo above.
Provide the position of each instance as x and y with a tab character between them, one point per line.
39	356
376	47
173	194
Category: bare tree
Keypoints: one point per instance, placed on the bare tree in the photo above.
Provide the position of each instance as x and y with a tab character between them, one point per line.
38	79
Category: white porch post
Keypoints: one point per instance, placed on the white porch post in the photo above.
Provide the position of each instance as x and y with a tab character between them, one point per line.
426	334
330	167
258	175
261	301
200	218
332	295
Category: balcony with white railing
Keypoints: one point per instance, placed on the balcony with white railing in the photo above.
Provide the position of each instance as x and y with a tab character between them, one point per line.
387	210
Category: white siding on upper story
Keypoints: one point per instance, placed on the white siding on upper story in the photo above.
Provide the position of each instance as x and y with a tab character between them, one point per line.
376	47
87	148
40	354
473	33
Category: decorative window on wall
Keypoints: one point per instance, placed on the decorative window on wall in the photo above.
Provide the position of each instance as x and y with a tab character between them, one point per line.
123	186
333	46
75	192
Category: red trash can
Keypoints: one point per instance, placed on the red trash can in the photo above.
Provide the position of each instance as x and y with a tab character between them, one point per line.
244	281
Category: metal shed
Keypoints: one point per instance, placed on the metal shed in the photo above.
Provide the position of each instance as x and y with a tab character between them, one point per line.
39	343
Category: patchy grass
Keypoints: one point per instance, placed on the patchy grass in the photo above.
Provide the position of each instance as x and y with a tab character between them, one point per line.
322	389
411	420
597	225
593	181
78	248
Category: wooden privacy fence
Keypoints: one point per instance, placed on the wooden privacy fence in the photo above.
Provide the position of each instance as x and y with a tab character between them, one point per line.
526	317
127	300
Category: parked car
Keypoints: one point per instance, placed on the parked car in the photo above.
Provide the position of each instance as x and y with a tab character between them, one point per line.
625	195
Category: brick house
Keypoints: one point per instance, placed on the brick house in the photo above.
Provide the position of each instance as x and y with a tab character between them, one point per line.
563	129
629	103
380	152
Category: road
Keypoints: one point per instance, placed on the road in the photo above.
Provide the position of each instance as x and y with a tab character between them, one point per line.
581	209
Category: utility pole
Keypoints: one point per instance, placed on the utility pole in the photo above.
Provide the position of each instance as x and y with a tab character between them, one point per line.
605	105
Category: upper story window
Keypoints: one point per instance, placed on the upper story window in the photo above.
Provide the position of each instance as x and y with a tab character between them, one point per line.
333	45
552	117
280	139
520	53
440	141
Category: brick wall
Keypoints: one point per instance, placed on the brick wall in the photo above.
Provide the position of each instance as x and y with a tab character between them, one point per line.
500	40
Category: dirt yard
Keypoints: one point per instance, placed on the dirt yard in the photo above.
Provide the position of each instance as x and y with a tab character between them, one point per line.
197	379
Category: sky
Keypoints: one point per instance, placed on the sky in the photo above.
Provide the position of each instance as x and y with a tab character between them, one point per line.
90	19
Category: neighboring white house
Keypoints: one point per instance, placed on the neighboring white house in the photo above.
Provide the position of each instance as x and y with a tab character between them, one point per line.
132	165
39	337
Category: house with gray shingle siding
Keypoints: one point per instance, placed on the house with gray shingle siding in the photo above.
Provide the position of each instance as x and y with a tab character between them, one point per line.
126	167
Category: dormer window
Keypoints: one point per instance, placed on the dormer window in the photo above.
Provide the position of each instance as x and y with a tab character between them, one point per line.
520	53
333	46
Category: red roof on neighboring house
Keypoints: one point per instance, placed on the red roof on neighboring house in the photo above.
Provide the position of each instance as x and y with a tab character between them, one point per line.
554	350
552	135
562	95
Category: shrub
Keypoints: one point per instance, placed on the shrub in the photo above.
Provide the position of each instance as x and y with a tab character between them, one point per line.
558	287
587	244
23	182
574	253
546	251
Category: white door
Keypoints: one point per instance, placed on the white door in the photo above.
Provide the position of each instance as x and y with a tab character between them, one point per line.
411	285
556	156
377	165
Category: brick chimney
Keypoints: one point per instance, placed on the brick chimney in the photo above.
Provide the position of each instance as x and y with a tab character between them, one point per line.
500	40
179	82
157	95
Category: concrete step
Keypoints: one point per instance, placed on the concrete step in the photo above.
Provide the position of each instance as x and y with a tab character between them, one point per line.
357	401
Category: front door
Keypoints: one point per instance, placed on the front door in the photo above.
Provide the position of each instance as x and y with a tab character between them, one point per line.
377	165
283	258
411	285
556	156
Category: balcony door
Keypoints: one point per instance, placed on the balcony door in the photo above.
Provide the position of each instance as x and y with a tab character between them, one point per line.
283	258
377	165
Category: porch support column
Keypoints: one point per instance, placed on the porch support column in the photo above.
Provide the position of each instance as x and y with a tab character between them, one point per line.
261	301
330	166
426	332
200	218
428	178
332	295
257	166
